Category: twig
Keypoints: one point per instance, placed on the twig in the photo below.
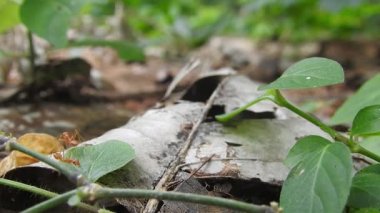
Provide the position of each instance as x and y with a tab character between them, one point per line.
227	159
179	182
169	174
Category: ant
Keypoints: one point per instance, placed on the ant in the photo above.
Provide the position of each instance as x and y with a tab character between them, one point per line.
70	139
60	157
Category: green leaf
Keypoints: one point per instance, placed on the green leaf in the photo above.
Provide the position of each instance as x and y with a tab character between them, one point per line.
365	190
320	183
98	160
367	95
127	50
304	148
367	121
49	19
309	73
8	14
372	143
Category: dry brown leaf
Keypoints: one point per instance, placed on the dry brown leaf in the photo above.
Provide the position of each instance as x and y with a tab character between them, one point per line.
39	142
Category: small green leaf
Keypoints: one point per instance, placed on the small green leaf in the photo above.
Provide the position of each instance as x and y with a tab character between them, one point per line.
367	121
127	50
309	73
98	160
365	190
48	19
303	148
367	95
320	183
8	14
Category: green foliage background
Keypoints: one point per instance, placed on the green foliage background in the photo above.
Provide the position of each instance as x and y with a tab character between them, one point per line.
193	22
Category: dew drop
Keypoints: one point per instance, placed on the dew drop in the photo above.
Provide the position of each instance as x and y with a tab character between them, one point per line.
301	172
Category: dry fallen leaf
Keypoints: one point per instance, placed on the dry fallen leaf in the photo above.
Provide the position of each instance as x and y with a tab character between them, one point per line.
39	142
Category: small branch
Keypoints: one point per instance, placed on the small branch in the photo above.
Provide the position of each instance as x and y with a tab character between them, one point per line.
180	182
169	174
51	203
39	191
74	176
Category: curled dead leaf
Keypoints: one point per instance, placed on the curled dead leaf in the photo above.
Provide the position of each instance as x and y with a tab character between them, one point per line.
39	142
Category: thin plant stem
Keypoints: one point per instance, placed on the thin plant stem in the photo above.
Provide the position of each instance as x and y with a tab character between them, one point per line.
39	191
26	187
275	96
178	196
228	116
94	191
51	203
73	175
354	146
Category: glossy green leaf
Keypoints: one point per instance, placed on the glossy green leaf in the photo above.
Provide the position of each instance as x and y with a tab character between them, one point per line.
367	95
365	190
127	50
367	121
309	73
98	160
49	19
320	183
8	14
303	148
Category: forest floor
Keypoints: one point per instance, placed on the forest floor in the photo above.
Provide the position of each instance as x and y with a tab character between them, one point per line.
126	89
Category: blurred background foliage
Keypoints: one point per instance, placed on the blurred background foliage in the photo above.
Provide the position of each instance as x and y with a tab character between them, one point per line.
290	20
186	24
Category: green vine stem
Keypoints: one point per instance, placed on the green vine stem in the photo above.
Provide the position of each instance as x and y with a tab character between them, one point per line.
51	203
39	191
94	191
73	175
26	187
228	116
275	96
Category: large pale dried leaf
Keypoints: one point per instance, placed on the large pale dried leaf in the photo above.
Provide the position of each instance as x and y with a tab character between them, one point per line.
39	142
